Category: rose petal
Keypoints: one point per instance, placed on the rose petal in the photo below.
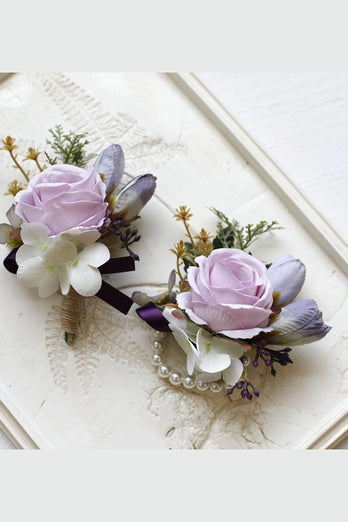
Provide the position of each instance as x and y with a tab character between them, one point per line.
64	197
246	333
247	316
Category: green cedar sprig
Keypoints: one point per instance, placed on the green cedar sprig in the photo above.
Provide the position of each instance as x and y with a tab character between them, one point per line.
230	234
69	148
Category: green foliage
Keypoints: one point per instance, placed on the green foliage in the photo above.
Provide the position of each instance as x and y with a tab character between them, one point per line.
189	257
230	234
69	148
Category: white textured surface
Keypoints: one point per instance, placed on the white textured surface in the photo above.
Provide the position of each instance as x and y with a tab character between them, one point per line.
301	120
225	430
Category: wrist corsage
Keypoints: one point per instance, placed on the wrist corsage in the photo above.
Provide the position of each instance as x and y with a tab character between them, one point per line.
69	221
230	310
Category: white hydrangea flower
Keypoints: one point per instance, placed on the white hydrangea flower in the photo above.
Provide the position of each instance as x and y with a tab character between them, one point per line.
49	271
216	357
35	237
84	275
68	259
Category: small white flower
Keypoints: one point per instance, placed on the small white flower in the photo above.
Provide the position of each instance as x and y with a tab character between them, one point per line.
84	275
49	262
216	357
189	348
35	237
214	352
81	239
49	271
230	375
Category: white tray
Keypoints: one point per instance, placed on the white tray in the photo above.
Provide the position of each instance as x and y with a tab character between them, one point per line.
106	394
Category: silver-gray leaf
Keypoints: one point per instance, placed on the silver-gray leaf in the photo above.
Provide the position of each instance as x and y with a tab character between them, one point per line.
5	231
110	163
11	215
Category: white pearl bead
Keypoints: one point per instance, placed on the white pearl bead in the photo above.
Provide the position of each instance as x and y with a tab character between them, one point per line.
160	335
175	378
157	359
163	371
157	346
202	386
216	387
188	382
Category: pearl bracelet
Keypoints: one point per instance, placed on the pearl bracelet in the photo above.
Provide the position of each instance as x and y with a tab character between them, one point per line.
175	377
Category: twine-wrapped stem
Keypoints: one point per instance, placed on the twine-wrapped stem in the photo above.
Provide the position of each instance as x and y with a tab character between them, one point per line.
70	313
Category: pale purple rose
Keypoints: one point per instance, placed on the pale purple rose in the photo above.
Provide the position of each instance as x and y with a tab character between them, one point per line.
63	197
230	292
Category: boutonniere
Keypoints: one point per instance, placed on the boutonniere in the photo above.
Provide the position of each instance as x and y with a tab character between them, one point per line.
230	310
70	221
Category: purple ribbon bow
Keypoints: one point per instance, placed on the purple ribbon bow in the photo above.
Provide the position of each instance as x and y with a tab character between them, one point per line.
107	293
153	317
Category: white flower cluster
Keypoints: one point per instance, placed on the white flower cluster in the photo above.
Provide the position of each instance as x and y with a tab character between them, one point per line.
68	259
214	356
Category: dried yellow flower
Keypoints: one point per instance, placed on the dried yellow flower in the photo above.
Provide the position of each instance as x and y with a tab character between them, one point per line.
179	249
183	213
203	236
13	188
32	154
9	144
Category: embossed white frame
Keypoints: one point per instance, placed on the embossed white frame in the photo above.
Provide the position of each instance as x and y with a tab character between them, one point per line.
332	429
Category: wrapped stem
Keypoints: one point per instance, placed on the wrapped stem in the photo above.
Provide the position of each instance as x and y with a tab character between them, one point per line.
70	313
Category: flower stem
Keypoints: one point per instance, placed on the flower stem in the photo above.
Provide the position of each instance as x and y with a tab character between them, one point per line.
178	271
38	165
18	165
188	232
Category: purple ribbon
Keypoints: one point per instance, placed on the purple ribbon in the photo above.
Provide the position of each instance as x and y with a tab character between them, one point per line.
107	293
10	262
117	264
153	317
115	298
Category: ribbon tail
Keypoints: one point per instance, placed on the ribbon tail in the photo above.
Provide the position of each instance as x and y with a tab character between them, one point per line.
117	265
115	298
10	262
153	317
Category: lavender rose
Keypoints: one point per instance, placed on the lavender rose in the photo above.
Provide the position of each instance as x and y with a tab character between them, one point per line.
230	292
64	197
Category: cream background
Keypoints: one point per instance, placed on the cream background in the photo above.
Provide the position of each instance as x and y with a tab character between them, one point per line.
300	121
